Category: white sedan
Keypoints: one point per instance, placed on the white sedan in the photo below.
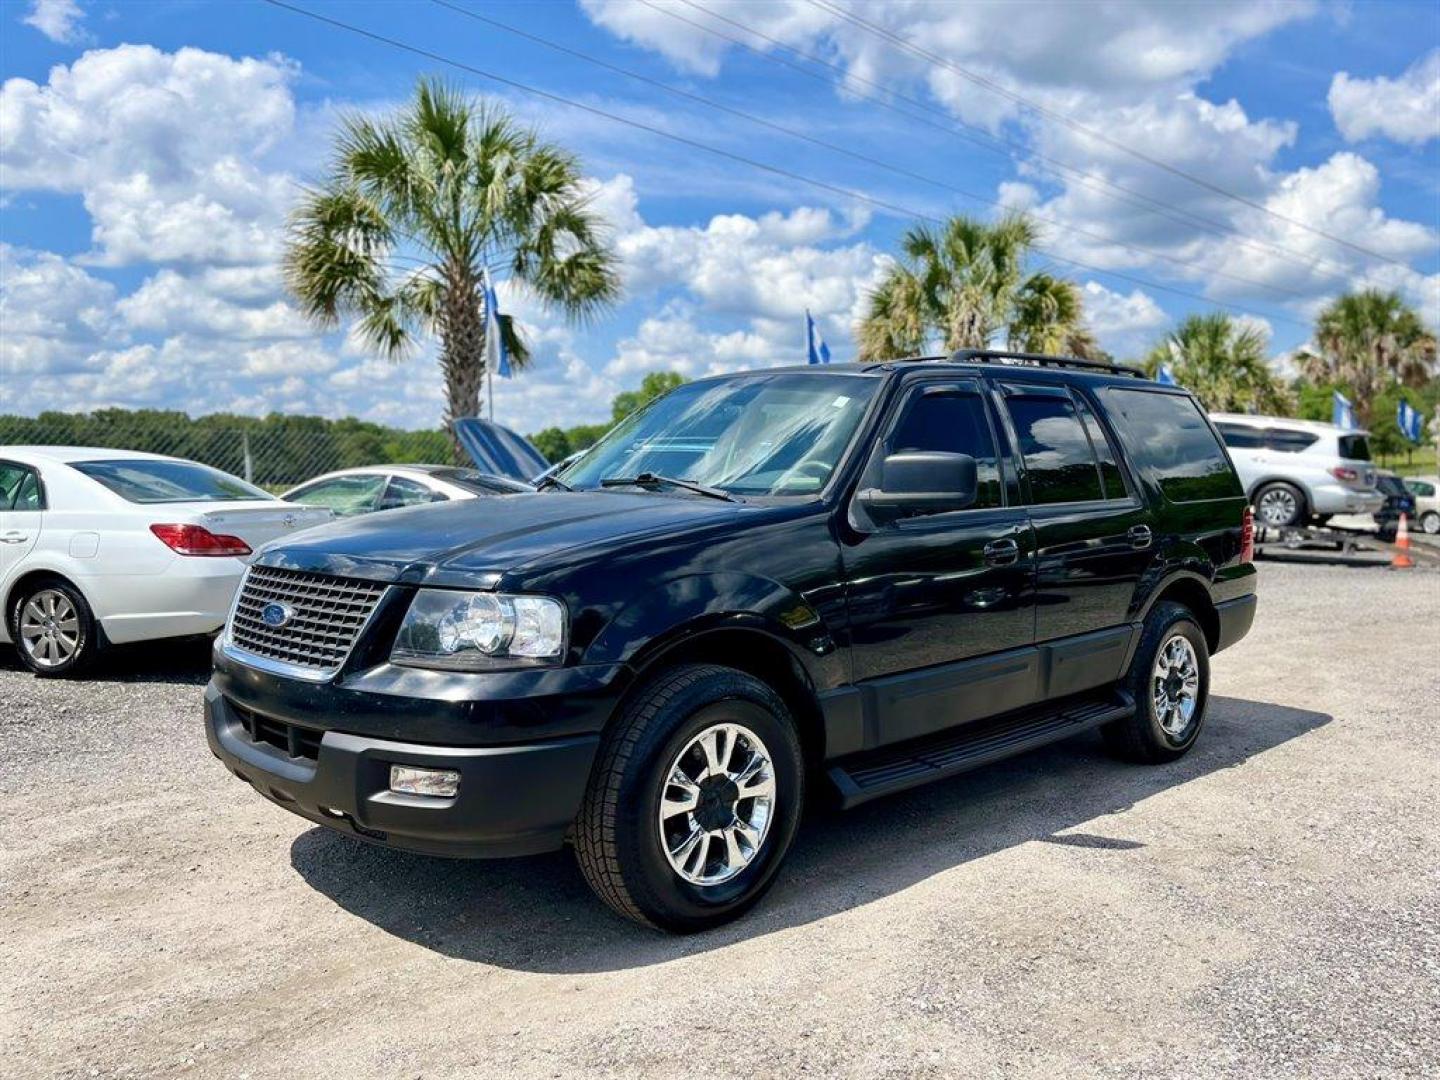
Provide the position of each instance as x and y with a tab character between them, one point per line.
372	488
110	546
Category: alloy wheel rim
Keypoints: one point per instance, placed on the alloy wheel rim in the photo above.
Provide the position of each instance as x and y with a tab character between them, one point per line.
717	804
1277	506
49	628
1175	684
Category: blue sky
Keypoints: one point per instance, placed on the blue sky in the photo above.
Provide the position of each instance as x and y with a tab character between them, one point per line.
150	152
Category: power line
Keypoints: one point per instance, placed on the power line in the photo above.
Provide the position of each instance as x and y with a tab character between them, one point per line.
776	170
985	140
1075	125
856	155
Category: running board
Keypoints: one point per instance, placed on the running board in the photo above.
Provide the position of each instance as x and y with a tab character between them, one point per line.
863	777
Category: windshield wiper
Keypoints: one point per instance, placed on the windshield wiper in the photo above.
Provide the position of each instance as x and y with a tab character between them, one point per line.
650	479
553	481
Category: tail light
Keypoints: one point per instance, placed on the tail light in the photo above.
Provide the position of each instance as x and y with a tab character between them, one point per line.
198	540
1341	472
1247	536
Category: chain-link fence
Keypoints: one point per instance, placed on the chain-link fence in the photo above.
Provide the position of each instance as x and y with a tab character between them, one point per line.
275	452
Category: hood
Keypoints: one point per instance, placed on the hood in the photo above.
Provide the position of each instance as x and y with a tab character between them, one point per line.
475	540
496	449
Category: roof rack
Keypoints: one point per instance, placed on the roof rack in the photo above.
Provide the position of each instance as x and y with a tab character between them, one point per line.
1001	356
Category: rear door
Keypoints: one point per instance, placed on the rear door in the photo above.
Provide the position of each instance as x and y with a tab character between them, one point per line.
22	502
941	605
1094	535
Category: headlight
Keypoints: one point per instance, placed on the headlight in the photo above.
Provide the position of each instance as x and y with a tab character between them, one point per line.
449	629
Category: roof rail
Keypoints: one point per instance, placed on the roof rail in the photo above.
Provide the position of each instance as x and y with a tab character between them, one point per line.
1001	356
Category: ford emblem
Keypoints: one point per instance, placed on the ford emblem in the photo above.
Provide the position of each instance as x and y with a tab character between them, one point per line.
276	614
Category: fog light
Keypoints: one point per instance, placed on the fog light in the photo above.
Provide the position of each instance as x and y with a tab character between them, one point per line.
408	780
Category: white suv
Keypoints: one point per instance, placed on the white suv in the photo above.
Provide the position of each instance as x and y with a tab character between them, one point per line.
1298	471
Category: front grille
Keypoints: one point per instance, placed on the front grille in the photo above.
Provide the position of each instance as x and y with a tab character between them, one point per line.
298	742
327	614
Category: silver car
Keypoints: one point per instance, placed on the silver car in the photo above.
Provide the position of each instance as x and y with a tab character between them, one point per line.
1300	471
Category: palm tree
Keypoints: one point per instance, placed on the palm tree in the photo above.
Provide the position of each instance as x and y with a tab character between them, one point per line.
418	206
1368	341
1222	362
966	283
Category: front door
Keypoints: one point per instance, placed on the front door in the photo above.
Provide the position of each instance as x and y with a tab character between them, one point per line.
21	503
941	606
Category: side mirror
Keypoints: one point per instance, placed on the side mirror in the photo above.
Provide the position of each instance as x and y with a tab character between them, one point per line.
921	482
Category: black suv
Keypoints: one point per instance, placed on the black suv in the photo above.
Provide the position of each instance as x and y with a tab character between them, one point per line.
857	578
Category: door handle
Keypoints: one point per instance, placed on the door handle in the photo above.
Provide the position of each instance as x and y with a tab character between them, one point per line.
13	538
1139	536
1001	552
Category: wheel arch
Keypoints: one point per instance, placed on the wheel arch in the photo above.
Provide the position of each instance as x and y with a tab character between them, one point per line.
45	573
745	645
1193	592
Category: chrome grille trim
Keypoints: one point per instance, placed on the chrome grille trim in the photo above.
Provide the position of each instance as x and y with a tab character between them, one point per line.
330	613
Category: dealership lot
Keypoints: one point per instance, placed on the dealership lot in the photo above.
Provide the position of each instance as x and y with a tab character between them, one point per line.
1270	905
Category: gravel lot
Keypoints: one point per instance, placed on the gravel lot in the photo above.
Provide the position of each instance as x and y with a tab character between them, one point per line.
1270	906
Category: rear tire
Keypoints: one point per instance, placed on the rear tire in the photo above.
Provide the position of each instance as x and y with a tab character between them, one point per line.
53	628
1430	522
1278	505
1170	680
666	835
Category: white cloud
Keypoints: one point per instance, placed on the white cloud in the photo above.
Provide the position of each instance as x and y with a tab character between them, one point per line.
170	303
58	20
163	148
1125	323
1406	109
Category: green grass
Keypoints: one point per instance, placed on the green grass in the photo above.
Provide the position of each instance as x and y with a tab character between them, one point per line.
1418	462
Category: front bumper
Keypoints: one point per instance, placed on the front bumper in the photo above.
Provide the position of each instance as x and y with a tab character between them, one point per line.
513	800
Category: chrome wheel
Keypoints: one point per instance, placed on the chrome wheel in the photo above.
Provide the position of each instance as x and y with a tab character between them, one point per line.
1175	684
49	628
717	805
1278	506
1430	523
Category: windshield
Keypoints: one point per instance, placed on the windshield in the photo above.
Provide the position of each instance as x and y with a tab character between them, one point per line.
746	435
140	480
481	483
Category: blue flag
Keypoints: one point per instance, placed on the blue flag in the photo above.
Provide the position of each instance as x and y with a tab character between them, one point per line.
497	357
1408	417
815	347
1344	412
1165	377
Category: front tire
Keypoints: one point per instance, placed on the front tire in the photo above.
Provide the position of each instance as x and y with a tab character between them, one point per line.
1170	681
1430	522
694	800
53	629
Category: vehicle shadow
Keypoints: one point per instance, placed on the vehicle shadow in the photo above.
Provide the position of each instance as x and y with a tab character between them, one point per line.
183	661
536	914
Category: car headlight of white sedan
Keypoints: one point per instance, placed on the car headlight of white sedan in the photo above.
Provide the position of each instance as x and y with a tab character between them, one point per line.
451	629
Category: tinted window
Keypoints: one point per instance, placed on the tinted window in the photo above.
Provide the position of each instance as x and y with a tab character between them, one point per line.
953	422
403	492
1420	487
19	488
1391	485
1058	460
1355	447
346	495
1104	453
1167	435
1289	442
1242	436
142	481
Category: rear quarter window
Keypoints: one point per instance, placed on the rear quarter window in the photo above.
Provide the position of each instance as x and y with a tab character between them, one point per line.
1355	447
1168	438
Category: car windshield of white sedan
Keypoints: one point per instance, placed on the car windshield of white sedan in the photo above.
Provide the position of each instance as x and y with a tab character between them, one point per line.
745	435
141	481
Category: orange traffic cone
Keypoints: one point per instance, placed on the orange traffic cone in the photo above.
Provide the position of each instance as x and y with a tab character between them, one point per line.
1402	560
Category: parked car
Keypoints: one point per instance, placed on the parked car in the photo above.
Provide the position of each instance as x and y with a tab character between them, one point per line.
348	492
857	578
1426	490
101	547
1299	471
1398	500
